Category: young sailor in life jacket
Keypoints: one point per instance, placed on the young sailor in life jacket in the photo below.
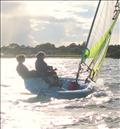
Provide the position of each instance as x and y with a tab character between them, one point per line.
22	70
45	71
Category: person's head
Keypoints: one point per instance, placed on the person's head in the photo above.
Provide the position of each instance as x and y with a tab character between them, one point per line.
20	58
41	55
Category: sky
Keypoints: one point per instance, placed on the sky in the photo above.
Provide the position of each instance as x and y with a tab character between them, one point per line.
57	22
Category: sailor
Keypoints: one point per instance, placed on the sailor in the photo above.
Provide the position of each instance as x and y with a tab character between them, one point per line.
45	71
22	70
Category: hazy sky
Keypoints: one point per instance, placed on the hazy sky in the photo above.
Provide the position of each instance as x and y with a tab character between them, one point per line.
58	22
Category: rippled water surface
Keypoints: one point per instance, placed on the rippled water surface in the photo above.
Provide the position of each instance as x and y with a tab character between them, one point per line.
22	110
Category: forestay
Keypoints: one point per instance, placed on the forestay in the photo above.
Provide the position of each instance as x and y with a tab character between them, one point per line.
99	39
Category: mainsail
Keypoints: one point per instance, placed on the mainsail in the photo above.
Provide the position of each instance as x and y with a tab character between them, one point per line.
99	37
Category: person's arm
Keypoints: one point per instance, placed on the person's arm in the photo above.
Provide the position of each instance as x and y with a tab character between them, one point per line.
41	66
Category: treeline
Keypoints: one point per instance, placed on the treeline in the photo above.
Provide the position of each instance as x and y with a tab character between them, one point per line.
71	50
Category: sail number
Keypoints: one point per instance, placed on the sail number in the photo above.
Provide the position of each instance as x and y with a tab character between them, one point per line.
116	11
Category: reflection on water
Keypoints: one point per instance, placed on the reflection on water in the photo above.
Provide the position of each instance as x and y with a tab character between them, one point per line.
21	110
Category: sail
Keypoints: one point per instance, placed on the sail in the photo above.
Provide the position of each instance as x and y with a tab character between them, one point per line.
97	45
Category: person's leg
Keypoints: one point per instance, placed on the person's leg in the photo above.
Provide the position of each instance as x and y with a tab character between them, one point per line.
52	79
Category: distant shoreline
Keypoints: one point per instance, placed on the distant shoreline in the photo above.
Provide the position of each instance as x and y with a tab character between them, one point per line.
56	56
70	51
48	56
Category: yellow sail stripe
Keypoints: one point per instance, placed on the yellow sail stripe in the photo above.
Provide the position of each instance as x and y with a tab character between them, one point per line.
99	46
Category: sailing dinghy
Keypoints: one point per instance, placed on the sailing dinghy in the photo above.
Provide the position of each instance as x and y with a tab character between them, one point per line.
105	18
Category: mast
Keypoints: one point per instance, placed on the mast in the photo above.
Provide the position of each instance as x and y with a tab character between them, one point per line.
77	75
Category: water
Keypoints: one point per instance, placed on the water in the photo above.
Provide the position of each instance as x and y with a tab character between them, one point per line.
22	110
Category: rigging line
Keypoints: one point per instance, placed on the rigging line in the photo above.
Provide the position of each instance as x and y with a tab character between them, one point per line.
94	61
98	33
101	58
108	37
88	38
109	34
